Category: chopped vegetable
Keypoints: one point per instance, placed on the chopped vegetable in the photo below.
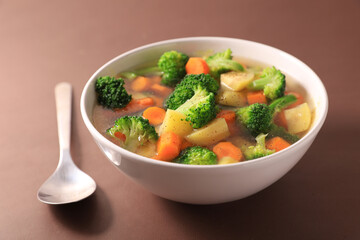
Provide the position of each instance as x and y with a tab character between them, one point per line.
227	160
161	90
258	117
256	97
196	65
172	64
188	87
272	81
197	156
277	144
211	133
237	81
155	115
168	146
140	84
137	105
298	118
111	92
175	122
227	149
259	150
231	98
137	131
222	62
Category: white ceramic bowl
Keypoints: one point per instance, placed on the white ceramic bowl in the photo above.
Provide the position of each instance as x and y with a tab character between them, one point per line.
215	183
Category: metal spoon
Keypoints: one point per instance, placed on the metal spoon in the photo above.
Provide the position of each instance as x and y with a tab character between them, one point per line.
68	183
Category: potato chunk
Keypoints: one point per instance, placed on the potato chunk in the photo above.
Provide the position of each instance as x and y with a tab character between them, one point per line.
175	122
211	133
298	118
237	81
231	98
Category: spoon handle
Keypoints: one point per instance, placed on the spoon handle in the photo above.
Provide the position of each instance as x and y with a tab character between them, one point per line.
63	94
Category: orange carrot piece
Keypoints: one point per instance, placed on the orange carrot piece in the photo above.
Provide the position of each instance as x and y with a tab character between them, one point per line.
228	115
140	84
136	105
196	65
227	149
277	144
256	97
120	136
161	90
155	115
168	146
156	79
300	99
144	102
280	119
185	144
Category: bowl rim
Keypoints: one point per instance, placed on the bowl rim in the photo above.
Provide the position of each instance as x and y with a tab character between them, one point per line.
311	134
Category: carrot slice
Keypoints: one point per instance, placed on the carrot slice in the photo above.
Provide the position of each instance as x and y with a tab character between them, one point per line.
280	119
196	65
227	149
156	79
228	115
140	84
256	97
120	136
136	105
161	90
155	115
277	144
168	146
300	99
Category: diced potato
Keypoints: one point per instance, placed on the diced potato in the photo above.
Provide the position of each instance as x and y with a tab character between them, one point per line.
231	98
298	118
175	122
237	81
227	160
211	133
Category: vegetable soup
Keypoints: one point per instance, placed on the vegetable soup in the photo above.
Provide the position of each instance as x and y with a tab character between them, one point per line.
201	110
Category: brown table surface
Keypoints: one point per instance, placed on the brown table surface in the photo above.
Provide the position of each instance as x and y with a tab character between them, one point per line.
43	43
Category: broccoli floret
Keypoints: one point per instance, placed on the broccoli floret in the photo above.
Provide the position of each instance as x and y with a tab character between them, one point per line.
111	92
200	109
197	156
222	62
186	89
259	150
137	131
258	117
272	81
172	64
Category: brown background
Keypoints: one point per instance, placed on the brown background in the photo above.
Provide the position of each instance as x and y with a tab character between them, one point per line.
43	43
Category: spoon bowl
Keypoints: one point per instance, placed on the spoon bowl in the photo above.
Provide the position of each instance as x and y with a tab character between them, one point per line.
68	183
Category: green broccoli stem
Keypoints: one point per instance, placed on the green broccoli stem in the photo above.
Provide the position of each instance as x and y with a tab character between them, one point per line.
259	84
280	103
154	70
277	131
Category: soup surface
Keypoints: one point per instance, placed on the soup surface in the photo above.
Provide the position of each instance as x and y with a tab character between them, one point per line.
226	134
